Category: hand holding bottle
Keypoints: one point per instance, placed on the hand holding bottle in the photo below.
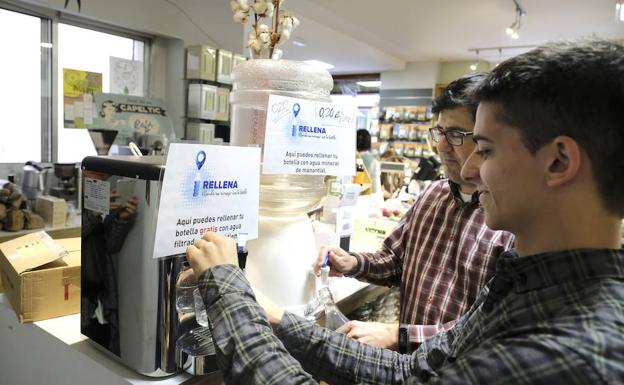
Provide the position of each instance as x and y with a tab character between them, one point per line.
339	260
210	250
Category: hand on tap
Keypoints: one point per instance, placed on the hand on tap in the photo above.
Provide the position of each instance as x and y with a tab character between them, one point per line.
211	250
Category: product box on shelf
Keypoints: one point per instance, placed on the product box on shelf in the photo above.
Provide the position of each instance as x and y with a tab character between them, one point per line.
202	132
224	66
41	276
223	104
202	101
201	62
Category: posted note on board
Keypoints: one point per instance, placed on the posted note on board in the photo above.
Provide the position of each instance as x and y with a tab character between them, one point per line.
207	188
307	137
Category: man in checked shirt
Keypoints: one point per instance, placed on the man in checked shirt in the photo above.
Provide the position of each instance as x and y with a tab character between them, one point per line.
441	253
548	167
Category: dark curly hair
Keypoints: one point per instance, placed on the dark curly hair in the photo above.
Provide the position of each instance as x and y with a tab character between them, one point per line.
458	94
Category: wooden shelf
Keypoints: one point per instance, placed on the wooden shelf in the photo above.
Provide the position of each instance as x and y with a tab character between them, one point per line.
212	121
209	82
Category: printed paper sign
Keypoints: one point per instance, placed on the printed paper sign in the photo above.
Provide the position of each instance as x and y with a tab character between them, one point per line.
350	194
344	221
307	137
207	188
78	89
126	76
97	195
131	117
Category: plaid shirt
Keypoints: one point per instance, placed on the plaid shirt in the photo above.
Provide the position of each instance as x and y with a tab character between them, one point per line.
553	318
441	254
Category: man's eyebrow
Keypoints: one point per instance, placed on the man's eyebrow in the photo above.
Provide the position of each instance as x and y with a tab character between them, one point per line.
477	138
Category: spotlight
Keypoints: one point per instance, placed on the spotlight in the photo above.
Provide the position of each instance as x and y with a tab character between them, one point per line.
513	29
475	65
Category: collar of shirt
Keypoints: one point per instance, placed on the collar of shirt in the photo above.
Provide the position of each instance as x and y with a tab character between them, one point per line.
474	200
538	271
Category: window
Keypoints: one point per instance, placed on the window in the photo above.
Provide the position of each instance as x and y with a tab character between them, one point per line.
87	50
21	74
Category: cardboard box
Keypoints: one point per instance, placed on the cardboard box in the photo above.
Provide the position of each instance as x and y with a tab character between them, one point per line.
39	283
53	210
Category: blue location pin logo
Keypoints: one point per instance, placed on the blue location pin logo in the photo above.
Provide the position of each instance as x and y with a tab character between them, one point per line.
200	158
296	109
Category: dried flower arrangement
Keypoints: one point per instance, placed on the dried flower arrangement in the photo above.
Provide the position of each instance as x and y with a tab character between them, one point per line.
264	39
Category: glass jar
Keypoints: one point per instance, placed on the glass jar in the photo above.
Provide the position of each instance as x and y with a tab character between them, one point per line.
253	82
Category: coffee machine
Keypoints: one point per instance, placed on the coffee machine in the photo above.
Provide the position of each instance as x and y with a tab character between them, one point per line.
132	305
67	176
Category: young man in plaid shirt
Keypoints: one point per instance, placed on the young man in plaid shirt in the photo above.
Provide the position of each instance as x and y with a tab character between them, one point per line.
548	167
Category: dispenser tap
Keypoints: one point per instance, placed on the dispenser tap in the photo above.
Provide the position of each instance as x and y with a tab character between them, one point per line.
325	271
241	248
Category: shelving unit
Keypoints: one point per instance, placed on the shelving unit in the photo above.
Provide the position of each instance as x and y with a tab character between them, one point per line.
208	86
404	129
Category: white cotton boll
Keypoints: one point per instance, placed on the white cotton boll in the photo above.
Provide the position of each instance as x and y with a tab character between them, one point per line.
286	22
254	44
287	28
235	6
270	10
264	37
277	54
295	22
262	28
240	16
285	35
260	7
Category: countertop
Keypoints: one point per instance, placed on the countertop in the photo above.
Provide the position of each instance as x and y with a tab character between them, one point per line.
54	352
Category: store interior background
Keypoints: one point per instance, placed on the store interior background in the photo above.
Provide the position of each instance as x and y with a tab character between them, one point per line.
411	45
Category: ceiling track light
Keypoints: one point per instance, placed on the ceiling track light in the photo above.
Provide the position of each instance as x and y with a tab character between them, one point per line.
619	10
480	50
514	28
475	65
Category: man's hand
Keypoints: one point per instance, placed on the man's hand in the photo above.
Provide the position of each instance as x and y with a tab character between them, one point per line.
212	250
376	334
340	261
129	208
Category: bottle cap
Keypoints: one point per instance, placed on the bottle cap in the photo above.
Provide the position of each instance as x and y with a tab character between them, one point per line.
326	261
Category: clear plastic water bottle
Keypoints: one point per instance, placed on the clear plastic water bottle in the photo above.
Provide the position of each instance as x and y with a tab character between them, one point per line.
200	310
185	284
333	316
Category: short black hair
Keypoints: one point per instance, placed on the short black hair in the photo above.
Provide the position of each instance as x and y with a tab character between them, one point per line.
458	94
574	89
363	140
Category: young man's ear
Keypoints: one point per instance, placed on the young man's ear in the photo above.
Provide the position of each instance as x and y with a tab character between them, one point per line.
563	157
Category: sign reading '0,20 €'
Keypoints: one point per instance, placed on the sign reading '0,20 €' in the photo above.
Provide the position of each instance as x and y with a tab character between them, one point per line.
307	137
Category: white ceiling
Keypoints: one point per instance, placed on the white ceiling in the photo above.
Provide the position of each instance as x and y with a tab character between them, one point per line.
360	36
